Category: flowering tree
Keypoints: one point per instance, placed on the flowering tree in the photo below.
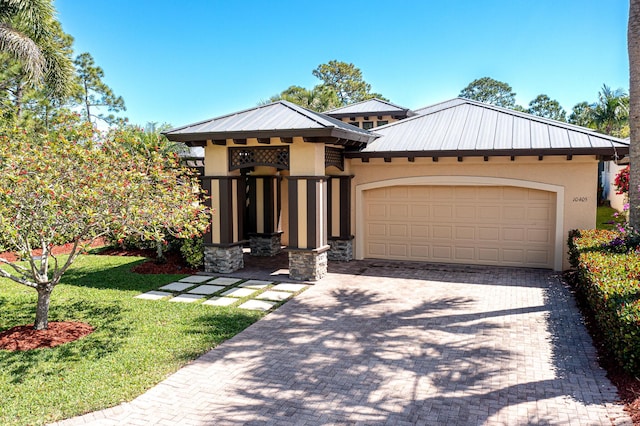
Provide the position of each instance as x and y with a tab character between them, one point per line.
621	181
63	187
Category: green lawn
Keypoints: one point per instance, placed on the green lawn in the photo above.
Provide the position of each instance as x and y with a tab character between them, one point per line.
604	216
136	343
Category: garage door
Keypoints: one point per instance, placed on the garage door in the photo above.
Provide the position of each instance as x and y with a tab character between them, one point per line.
461	224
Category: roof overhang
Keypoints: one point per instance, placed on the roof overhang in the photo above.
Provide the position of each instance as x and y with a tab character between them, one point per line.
609	153
333	135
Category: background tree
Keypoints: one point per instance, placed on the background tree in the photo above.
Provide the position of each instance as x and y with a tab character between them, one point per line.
581	115
92	93
543	106
490	91
320	98
345	79
633	40
26	35
59	187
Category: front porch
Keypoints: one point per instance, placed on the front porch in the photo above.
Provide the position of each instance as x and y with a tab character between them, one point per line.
283	186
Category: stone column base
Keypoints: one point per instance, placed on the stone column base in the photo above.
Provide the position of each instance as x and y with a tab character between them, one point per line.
341	249
307	265
223	259
265	244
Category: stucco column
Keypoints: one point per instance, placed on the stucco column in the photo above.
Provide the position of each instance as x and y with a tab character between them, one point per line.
226	199
339	218
307	196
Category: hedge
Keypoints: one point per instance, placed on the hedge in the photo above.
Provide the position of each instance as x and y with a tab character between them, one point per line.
608	280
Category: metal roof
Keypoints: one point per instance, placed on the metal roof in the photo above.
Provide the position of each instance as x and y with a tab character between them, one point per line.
462	127
277	119
370	106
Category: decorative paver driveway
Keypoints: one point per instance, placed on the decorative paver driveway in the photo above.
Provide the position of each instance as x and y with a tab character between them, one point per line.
400	344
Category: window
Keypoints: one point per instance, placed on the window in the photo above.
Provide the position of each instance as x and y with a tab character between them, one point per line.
354	123
381	123
367	125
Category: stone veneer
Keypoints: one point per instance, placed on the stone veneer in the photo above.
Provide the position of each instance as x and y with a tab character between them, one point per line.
223	259
341	250
265	244
307	265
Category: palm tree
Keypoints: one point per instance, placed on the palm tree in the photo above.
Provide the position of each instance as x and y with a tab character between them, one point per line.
320	98
633	40
611	112
27	30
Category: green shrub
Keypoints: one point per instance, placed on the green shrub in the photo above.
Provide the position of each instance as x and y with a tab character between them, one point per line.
192	251
609	281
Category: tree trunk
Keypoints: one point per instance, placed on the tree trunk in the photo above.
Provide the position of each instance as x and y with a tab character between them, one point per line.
42	310
633	44
160	258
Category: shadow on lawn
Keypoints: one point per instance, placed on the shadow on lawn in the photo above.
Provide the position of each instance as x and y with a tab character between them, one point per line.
109	334
115	277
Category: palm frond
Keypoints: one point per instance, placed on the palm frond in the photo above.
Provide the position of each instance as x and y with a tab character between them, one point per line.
34	16
24	49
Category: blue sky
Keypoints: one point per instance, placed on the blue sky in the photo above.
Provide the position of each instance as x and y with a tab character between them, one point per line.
183	61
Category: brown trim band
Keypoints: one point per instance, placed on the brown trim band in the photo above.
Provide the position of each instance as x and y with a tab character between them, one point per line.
345	206
323	177
226	212
490	153
293	212
205	184
312	213
353	136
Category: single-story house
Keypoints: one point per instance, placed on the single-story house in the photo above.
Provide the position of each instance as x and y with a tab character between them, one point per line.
455	182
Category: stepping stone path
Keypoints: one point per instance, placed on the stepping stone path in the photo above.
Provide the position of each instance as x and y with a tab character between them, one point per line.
226	291
274	295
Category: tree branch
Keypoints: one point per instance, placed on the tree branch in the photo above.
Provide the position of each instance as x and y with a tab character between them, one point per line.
5	274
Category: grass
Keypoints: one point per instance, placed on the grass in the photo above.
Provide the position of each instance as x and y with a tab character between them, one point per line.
604	217
136	343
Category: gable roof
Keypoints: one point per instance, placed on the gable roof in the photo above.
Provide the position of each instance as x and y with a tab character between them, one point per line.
373	106
462	127
277	119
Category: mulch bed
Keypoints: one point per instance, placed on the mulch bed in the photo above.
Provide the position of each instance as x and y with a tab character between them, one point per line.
173	263
628	386
62	249
25	337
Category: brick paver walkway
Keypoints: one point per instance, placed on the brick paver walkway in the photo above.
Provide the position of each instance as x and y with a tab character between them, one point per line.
400	344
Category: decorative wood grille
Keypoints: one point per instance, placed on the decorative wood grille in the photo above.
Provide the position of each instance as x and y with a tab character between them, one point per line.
333	157
277	157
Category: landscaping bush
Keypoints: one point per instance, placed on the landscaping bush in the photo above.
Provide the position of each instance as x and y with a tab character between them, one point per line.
608	280
192	251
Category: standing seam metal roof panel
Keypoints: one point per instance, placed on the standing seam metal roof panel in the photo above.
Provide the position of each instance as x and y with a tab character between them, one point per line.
539	136
469	136
487	130
558	138
369	105
521	134
279	115
504	132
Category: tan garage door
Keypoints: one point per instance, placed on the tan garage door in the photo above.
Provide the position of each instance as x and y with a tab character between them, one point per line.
461	224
